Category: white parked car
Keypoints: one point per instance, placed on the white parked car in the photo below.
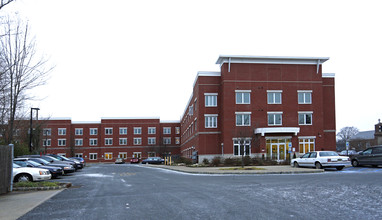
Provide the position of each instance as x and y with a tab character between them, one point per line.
321	159
29	174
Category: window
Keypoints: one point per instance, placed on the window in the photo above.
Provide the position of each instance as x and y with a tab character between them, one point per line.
242	147
108	156
93	131
306	145
151	154
79	131
177	140
151	141
243	96
47	142
47	132
166	140
108	131
304	97
78	142
93	156
122	155
167	130
274	97
305	118
243	118
211	121
79	155
123	141
122	131
62	131
61	142
211	99
93	141
137	141
151	130
108	141
177	130
275	118
137	130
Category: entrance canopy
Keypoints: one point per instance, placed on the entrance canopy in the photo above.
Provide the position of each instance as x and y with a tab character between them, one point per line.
279	130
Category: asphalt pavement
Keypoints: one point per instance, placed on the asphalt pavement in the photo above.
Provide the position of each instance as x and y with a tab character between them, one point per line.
15	204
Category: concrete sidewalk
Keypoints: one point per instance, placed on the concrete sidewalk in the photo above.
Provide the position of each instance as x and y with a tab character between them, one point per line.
230	170
13	205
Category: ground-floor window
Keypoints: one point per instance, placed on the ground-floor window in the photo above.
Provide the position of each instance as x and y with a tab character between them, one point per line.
93	156
79	155
306	145
47	142
151	154
242	147
137	155
108	156
122	155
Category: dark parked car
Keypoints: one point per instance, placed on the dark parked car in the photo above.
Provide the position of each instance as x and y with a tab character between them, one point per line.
68	167
54	171
82	160
153	160
78	164
370	156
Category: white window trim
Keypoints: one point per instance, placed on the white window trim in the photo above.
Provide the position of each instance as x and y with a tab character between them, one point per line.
79	129
93	139
79	139
305	113
275	91
140	128
122	129
243	113
211	94
95	129
165	129
151	138
59	140
137	139
107	141
109	129
148	130
92	158
243	91
111	153
210	115
124	140
305	91
275	113
61	129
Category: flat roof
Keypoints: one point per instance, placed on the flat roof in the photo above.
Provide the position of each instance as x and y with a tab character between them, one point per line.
270	59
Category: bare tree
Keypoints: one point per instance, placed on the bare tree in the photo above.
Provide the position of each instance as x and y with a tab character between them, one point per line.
21	70
4	3
347	132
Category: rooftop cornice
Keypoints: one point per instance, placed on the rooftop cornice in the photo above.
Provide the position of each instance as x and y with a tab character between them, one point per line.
270	59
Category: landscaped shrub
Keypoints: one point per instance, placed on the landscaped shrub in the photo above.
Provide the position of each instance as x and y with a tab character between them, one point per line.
206	161
185	160
216	161
230	161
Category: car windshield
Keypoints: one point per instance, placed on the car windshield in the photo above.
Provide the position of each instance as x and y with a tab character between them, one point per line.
15	165
41	160
328	154
65	157
54	159
34	163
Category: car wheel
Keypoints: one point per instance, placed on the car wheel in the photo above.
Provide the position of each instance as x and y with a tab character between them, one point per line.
355	163
339	168
295	164
23	178
318	165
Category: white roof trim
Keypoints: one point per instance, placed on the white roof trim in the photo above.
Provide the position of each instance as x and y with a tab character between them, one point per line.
264	131
328	75
271	59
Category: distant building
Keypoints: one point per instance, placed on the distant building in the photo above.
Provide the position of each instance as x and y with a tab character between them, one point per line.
365	139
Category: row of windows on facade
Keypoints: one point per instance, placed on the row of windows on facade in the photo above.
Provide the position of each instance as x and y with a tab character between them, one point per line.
109	141
109	156
244	119
109	131
244	97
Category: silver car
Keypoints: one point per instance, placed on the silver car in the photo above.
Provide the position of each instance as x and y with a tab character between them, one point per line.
321	159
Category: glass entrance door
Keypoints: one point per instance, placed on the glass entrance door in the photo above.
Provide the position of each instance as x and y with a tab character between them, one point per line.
278	151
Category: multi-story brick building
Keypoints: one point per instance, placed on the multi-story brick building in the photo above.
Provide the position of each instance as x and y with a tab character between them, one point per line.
270	107
111	138
260	106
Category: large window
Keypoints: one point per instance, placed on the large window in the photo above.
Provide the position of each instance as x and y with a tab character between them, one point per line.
243	118
61	142
47	142
79	131
123	141
137	141
122	155
151	130
93	131
211	121
151	141
62	131
79	142
243	96
274	97
108	141
108	156
108	131
304	97
306	145
211	99
93	156
275	118
242	146
47	131
166	140
305	118
122	131
137	130
93	141
167	130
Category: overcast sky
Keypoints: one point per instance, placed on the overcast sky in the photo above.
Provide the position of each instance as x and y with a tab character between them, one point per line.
120	58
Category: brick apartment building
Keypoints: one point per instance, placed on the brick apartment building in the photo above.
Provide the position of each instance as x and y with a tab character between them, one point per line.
259	106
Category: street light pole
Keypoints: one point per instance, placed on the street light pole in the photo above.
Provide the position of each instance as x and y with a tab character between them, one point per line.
31	128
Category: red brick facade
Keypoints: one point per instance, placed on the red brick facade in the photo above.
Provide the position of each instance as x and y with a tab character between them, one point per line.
271	107
275	106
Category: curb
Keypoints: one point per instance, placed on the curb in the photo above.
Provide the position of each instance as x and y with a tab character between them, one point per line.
62	186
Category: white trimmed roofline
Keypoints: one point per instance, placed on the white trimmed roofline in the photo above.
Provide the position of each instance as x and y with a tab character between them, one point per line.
270	59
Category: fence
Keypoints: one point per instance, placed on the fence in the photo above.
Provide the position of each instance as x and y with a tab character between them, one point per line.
6	156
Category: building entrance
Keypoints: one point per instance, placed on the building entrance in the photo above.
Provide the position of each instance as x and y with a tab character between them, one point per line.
278	152
276	148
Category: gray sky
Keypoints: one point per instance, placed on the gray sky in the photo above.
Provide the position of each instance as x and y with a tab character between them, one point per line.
120	58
